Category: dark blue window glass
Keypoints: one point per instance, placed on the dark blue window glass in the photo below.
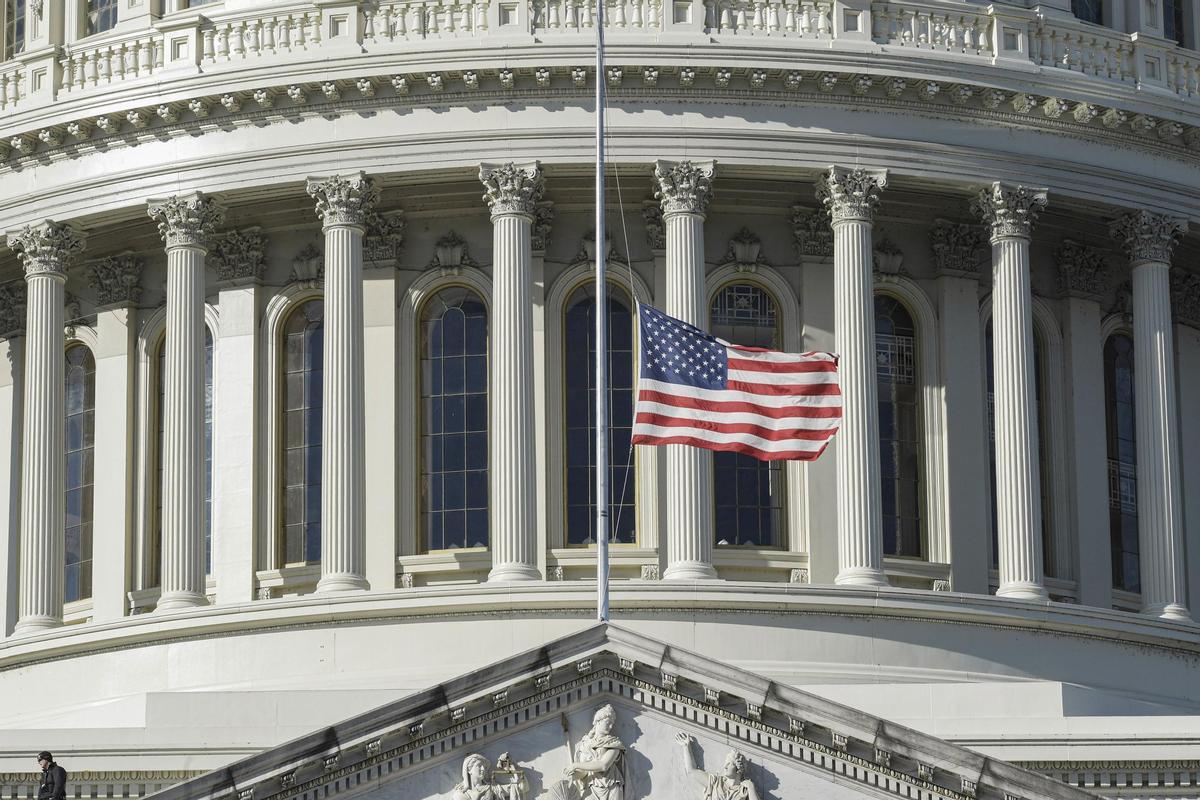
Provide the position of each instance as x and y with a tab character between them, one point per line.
899	427
1122	462
80	470
1088	10
303	399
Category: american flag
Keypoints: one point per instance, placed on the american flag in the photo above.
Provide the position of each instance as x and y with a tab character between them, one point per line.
696	389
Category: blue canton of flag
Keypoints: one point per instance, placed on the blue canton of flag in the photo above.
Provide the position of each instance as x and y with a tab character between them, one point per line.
675	352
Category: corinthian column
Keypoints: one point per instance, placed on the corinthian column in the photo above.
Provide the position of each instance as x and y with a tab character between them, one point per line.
186	224
1148	239
684	189
1011	211
512	192
342	205
851	196
45	251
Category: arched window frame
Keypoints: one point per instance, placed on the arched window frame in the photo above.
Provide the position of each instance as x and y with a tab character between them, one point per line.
408	475
793	536
934	534
81	336
271	574
1048	335
1123	599
150	338
644	552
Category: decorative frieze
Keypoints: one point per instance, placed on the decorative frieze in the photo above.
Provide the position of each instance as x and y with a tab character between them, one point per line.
344	200
47	247
656	233
543	220
186	220
959	249
1185	297
851	194
240	255
12	307
116	280
384	238
683	187
1010	211
811	232
1146	236
512	188
1082	270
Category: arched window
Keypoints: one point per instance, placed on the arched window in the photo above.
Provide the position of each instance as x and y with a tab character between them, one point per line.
748	492
579	336
303	354
101	16
454	420
160	382
1122	461
899	427
1039	380
80	470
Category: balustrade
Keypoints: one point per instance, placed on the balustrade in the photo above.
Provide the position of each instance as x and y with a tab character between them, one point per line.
957	28
10	83
110	60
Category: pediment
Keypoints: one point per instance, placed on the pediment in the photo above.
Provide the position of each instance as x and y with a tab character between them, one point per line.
675	718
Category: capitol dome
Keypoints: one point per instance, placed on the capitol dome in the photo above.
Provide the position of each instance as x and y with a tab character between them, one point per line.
297	320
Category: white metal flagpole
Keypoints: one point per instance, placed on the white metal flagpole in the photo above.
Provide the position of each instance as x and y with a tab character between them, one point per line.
602	476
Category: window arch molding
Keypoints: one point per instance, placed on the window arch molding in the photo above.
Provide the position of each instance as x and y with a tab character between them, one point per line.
795	536
408	490
933	422
1118	323
275	316
646	469
86	337
153	328
1047	331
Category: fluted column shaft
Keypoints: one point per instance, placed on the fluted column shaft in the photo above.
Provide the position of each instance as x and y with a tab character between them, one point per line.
851	196
186	223
512	192
45	251
1149	239
684	189
343	203
1011	212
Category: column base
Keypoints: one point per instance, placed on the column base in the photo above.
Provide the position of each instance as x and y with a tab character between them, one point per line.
27	626
175	601
342	582
502	573
861	576
690	571
1171	611
1023	590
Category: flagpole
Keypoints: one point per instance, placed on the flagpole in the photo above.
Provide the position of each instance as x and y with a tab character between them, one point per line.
602	477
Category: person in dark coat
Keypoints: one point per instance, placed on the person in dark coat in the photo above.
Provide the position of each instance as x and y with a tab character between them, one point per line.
54	778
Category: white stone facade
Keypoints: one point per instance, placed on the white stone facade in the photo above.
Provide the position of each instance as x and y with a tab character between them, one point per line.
242	538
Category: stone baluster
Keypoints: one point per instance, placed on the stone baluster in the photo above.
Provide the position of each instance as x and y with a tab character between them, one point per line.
1148	239
186	223
343	203
512	192
45	251
1010	211
684	189
851	196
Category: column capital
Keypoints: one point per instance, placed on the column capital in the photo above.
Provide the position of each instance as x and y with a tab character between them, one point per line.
1185	297
117	280
344	199
1146	236
684	187
959	248
1008	209
851	194
186	220
46	248
512	188
240	256
12	307
1082	271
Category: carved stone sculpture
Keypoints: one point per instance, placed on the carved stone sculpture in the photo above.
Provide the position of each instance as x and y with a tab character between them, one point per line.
730	783
600	768
483	781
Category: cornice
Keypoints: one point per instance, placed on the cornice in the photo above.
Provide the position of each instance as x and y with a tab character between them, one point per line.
133	124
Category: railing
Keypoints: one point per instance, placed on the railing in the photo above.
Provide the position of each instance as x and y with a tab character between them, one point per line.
299	28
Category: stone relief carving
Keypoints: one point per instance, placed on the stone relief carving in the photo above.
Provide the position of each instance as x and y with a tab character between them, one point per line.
656	235
483	781
344	200
745	251
600	769
48	247
451	254
683	187
12	307
811	232
1185	297
888	259
851	193
1009	210
958	248
1082	271
730	783
308	267
384	237
1146	236
543	219
240	255
512	188
116	279
587	248
186	220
